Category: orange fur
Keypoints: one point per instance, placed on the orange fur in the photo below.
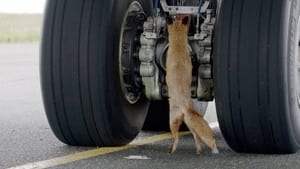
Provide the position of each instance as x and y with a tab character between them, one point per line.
179	79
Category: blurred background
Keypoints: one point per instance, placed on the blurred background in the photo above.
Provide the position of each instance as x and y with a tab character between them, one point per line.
21	20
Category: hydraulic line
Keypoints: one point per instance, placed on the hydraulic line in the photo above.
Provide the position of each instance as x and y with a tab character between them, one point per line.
198	16
156	7
200	4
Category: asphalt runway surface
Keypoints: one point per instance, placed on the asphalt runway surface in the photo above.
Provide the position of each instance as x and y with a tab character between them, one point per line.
26	141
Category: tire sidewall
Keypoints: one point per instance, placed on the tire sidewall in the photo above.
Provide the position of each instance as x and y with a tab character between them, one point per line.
291	15
130	117
272	107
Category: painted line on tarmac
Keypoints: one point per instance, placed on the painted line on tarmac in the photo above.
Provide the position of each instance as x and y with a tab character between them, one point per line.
94	152
99	151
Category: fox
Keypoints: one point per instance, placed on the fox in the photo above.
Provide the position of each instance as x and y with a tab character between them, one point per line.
178	80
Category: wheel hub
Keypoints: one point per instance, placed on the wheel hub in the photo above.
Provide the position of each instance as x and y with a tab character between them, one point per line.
132	27
143	46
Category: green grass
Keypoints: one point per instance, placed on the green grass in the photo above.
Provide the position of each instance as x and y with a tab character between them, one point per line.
17	28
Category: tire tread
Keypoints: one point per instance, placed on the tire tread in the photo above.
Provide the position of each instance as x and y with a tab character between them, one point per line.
248	75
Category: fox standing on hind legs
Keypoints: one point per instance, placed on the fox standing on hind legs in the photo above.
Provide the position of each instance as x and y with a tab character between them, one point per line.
179	79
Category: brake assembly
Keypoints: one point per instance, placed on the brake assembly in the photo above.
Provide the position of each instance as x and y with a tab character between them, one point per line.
154	46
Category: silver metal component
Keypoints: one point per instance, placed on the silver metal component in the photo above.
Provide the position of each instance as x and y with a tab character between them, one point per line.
153	87
193	10
160	23
297	59
132	98
154	46
148	41
149	25
149	36
205	90
161	51
181	2
133	9
197	24
205	71
148	68
202	45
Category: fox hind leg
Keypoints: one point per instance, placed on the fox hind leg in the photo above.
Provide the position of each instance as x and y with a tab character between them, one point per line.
208	138
174	127
211	144
201	129
197	143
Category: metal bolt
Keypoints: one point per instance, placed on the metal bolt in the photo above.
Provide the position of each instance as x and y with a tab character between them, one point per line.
136	39
136	55
131	96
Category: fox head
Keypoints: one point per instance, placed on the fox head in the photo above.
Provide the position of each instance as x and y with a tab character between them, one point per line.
177	25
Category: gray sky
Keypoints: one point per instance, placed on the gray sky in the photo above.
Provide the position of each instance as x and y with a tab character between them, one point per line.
22	6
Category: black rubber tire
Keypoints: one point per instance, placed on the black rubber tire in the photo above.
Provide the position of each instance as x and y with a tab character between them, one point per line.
158	115
80	74
255	83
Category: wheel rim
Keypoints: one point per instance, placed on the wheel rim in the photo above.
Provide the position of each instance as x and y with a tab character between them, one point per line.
297	55
131	29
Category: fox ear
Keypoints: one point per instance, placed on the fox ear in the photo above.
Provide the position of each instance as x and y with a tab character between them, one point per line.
185	20
169	19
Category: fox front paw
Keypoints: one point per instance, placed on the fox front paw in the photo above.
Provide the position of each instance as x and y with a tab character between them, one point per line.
215	151
172	151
